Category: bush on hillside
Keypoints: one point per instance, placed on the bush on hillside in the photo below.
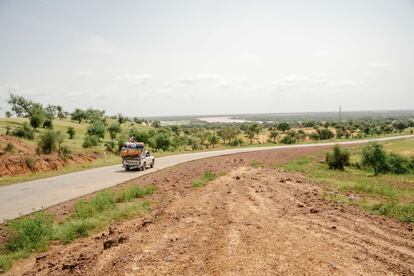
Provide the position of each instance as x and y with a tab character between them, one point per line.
97	129
25	131
398	164
49	141
71	132
375	157
90	141
338	159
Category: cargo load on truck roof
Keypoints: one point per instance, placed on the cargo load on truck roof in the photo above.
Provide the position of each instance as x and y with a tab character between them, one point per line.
132	149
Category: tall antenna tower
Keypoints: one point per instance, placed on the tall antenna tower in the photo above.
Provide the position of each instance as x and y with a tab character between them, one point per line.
340	113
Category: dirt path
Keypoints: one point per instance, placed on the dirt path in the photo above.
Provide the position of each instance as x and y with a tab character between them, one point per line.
249	221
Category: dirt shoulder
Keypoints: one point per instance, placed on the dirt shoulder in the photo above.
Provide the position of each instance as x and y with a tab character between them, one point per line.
251	220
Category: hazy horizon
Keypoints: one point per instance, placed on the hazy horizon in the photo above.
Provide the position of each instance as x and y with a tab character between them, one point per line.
177	58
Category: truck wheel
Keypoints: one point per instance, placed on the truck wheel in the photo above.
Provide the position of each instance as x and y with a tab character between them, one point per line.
126	168
144	166
152	164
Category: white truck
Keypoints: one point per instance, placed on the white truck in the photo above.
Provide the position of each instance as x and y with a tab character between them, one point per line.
134	156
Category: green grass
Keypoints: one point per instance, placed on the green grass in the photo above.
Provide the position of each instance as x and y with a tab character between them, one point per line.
34	233
201	181
391	195
132	192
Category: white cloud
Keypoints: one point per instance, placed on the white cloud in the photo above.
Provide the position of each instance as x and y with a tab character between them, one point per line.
82	73
380	64
321	53
134	79
295	79
347	83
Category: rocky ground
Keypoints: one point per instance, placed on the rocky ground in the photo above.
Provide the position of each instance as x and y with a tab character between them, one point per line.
261	221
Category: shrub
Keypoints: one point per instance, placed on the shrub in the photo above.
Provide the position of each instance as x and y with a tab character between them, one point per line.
65	150
288	139
90	141
25	131
133	192
325	134
48	141
10	148
206	177
375	157
97	128
48	124
30	162
30	233
71	132
101	202
37	116
338	159
236	142
398	164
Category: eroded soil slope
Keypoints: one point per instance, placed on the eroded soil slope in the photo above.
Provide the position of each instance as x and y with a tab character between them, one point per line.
24	160
250	221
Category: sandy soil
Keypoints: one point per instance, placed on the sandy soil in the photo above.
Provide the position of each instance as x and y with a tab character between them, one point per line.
250	221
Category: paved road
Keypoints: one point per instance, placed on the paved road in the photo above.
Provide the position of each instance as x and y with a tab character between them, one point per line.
23	198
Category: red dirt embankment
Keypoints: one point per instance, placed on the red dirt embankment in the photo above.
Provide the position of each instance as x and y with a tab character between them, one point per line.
24	160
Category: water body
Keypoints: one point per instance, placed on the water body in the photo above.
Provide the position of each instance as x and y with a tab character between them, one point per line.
222	120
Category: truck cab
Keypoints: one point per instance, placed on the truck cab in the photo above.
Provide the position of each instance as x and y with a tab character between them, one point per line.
135	156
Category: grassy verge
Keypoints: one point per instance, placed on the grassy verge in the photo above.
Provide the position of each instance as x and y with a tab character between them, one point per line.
391	195
34	233
202	180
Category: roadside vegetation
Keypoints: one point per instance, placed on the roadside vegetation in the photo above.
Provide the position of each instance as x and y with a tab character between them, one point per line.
53	130
202	180
35	232
376	177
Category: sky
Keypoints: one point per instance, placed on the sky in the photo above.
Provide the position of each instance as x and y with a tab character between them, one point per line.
153	58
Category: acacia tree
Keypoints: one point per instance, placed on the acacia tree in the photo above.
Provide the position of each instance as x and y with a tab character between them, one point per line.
273	135
113	130
213	140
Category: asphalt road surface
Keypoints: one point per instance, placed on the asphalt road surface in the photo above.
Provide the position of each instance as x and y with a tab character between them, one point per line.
23	198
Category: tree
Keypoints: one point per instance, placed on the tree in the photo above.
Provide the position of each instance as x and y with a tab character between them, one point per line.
78	115
162	141
193	142
120	118
60	112
37	116
156	124
283	126
113	130
273	135
325	134
400	125
250	134
20	105
50	111
338	159
140	135
97	128
8	114
213	140
374	156
92	115
71	132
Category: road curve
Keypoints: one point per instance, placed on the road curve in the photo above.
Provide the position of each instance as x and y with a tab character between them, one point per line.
23	198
